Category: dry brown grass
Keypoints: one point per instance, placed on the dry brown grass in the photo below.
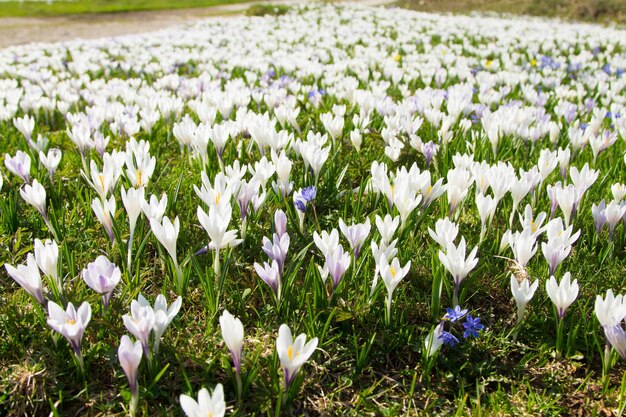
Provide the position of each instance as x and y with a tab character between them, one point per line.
604	11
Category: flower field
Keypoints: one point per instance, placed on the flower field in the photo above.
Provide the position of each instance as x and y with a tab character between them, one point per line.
340	210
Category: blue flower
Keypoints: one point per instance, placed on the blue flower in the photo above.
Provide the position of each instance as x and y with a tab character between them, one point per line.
300	205
455	314
472	326
302	197
448	338
309	193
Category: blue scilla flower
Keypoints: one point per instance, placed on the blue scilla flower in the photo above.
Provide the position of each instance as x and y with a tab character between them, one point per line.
448	338
455	314
309	193
472	326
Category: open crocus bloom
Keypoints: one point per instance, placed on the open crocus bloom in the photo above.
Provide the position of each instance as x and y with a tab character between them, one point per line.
207	404
293	353
70	323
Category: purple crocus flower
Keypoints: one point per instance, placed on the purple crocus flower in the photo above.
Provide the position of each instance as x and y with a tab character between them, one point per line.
337	262
429	150
270	274
277	249
280	223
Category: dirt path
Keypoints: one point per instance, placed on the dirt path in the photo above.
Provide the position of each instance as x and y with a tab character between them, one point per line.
21	30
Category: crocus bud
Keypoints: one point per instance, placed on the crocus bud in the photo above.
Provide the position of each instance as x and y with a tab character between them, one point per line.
129	355
280	223
28	277
232	333
132	200
35	195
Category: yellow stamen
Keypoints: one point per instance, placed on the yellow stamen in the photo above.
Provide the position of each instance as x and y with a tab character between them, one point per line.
138	174
393	271
290	352
217	198
71	321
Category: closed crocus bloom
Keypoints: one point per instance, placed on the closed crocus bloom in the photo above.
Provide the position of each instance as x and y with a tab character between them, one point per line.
616	336
392	273
433	341
277	249
355	234
405	199
387	227
51	160
207	404
28	277
619	191
524	246
140	323
35	195
459	182
132	200
283	170
25	125
167	234
70	323
486	209
47	257
155	208
102	276
523	292
599	215
104	211
555	252
293	353
232	333
455	262
357	139
163	316
445	232
326	241
562	294
567	199
337	262
614	212
19	165
610	310
129	355
270	274
280	223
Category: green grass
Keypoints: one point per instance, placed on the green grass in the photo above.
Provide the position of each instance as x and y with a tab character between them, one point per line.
59	8
364	367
